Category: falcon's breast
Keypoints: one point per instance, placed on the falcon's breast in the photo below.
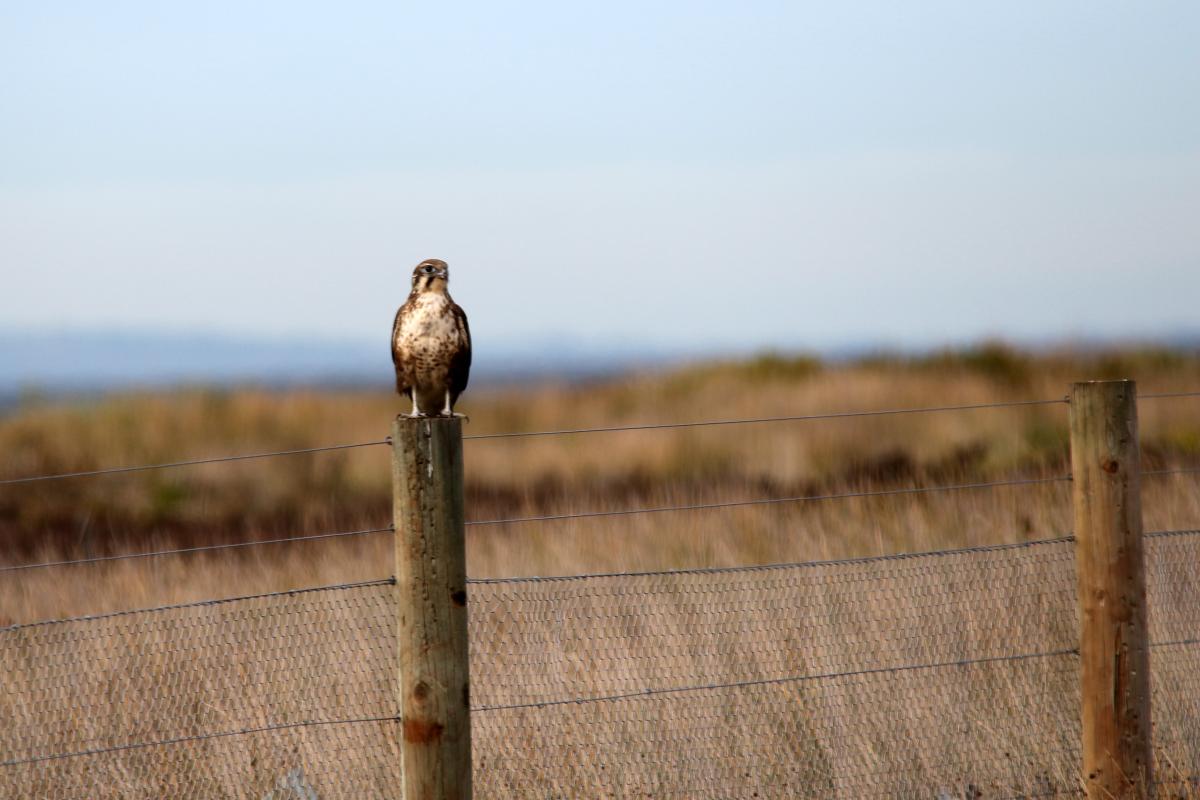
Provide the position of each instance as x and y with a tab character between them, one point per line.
427	327
431	344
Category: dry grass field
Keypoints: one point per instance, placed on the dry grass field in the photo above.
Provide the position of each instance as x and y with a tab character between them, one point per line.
907	733
346	490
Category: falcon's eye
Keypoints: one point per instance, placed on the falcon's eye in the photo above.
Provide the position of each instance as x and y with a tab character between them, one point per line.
428	270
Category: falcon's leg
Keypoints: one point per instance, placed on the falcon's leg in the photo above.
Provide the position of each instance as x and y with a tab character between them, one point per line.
448	411
416	412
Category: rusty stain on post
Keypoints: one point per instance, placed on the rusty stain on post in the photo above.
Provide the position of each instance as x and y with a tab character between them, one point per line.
1113	642
427	483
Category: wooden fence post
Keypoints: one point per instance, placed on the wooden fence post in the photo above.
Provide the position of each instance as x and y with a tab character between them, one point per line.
1113	639
427	486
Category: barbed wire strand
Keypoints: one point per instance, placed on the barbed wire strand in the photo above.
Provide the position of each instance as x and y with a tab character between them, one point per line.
513	520
189	463
774	681
711	570
758	420
770	501
987	548
195	738
837	562
1176	643
570	431
200	549
1184	532
1164	395
1179	471
201	603
391	529
517	434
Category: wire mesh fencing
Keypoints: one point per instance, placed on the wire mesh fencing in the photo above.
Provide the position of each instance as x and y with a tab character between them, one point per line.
876	677
880	677
939	675
1173	600
216	699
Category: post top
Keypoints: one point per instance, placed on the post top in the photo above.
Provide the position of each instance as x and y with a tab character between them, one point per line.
1121	383
404	426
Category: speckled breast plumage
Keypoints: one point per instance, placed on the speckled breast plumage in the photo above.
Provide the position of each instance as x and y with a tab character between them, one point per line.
428	337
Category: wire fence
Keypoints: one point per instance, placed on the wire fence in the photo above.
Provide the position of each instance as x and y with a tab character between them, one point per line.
206	699
951	674
301	538
572	431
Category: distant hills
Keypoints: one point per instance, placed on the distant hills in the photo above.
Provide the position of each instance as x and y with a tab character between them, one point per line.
84	361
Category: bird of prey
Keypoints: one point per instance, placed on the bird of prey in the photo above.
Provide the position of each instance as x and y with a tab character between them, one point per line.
431	343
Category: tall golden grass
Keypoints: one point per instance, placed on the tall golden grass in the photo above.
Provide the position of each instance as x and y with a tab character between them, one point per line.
346	490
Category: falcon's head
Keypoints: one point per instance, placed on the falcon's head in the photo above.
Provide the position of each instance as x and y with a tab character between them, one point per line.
431	275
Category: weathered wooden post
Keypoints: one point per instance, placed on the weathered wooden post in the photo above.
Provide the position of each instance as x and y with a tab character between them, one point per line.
1113	638
427	481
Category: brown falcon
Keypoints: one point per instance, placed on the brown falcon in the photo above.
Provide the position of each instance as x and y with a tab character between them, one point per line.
431	343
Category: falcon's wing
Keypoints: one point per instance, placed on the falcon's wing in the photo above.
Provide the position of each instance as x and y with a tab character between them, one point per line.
460	361
398	357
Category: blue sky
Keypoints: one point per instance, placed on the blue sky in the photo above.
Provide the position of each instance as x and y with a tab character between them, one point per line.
695	174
